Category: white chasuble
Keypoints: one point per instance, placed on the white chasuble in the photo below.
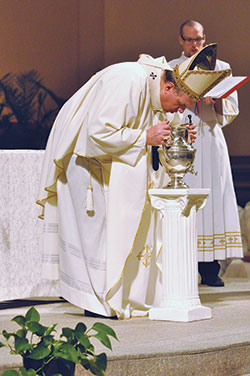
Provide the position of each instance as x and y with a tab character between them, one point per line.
107	256
218	227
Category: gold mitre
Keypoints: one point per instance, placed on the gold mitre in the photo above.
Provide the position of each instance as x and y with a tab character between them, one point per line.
196	76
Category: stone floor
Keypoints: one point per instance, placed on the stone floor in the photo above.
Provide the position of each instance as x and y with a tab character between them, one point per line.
218	346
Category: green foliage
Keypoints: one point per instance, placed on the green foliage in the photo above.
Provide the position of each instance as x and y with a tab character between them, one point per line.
37	343
27	111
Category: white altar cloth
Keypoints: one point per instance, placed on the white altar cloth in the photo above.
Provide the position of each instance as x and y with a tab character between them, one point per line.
20	228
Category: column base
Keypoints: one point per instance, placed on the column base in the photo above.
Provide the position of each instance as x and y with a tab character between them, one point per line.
185	315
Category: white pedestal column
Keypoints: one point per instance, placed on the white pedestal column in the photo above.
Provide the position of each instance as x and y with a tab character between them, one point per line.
180	300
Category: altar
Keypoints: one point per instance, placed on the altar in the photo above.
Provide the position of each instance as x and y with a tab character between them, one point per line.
20	228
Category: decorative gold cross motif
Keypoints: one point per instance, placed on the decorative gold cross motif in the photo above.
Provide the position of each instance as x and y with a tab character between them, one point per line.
222	241
145	254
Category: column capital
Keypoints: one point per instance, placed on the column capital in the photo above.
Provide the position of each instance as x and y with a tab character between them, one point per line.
182	199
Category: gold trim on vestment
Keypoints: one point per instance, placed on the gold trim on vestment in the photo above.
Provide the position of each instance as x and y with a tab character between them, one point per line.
216	242
180	80
51	189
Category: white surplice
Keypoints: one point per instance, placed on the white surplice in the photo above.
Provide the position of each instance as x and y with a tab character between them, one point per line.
219	235
105	258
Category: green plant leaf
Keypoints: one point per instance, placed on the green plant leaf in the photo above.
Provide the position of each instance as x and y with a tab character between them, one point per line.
36	328
31	372
68	333
7	335
68	352
85	363
80	327
21	333
23	371
95	369
84	340
50	329
101	361
103	328
10	372
39	352
91	348
20	320
32	315
57	345
48	340
21	345
80	349
104	339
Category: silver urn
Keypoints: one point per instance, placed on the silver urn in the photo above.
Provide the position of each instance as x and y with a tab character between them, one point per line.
177	156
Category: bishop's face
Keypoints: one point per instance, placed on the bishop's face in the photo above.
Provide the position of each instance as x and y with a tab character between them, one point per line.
173	100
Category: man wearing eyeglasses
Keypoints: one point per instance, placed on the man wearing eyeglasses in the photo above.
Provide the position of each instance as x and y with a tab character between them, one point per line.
218	226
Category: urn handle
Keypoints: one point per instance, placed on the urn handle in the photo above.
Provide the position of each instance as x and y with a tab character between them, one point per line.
190	122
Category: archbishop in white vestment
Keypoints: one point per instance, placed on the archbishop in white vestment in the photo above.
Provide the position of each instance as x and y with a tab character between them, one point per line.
101	236
219	235
107	247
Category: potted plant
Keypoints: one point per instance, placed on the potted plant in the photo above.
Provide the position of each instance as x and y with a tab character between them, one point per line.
44	353
27	111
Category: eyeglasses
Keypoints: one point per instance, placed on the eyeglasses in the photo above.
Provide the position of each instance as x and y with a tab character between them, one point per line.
190	40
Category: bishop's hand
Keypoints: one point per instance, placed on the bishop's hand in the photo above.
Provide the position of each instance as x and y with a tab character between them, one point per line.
192	133
158	134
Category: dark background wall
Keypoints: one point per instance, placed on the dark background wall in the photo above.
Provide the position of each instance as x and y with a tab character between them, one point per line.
67	41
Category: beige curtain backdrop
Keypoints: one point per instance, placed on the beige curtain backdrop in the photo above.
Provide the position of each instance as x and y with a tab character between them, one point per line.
67	41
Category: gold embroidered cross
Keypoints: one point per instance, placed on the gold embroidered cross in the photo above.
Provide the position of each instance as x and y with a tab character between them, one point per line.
145	256
231	240
222	241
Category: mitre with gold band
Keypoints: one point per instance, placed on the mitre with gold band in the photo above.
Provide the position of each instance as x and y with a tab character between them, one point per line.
196	76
